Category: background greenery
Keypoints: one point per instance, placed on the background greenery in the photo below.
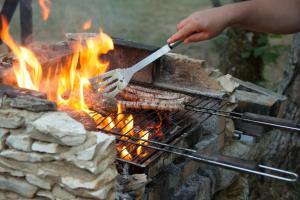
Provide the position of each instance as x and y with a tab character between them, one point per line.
144	21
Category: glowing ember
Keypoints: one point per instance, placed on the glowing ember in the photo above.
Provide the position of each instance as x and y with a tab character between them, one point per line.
45	8
87	25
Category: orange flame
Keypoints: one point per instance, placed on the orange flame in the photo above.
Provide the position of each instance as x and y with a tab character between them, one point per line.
124	154
71	79
145	136
45	8
67	83
28	70
87	25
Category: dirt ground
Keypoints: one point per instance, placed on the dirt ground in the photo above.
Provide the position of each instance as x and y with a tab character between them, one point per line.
144	21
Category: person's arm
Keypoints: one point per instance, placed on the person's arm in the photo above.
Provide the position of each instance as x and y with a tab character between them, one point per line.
272	16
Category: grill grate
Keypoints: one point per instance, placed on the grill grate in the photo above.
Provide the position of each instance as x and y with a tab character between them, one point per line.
179	123
174	124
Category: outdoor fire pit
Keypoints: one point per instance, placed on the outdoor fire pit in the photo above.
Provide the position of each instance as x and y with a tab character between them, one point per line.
61	139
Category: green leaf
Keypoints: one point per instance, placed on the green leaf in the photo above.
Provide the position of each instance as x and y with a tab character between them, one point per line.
260	51
245	54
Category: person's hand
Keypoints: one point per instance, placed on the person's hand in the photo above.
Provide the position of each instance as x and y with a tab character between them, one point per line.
201	25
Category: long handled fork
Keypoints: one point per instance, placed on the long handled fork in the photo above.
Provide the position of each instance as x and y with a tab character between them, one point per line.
112	82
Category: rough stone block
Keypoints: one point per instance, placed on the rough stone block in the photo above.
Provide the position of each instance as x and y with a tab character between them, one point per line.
60	193
3	135
61	127
17	185
26	156
45	147
37	181
11	121
75	183
19	141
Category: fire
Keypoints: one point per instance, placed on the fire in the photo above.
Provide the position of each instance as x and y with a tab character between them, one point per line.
145	136
87	25
71	79
124	154
67	83
28	70
45	8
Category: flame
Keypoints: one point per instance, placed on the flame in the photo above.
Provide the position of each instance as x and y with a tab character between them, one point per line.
28	70
87	25
45	8
145	136
67	83
84	64
72	78
124	154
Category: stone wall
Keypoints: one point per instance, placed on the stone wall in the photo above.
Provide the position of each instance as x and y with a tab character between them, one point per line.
49	155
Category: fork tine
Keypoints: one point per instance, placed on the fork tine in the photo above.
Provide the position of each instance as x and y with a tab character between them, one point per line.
104	83
112	93
101	77
110	87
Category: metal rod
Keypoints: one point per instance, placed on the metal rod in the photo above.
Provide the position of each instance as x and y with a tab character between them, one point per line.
237	116
289	176
151	141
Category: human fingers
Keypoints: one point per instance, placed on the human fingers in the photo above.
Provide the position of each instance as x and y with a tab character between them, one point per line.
196	37
182	33
182	23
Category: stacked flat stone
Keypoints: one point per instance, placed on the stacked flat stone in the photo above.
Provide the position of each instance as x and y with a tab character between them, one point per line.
49	155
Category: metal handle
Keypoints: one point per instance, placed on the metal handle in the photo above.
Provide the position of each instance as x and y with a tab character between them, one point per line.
249	117
271	121
175	44
243	165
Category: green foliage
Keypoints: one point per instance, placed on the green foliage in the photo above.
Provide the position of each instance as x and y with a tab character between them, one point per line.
265	50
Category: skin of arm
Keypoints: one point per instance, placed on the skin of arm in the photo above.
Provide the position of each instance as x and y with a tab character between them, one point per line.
271	16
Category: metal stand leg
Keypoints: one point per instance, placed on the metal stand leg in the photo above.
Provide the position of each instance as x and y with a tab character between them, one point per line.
26	21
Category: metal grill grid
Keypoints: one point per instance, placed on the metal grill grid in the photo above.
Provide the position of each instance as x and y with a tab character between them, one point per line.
179	122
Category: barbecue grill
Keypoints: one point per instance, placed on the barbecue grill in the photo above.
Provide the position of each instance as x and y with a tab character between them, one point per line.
167	129
200	108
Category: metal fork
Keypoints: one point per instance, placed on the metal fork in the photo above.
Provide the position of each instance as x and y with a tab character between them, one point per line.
114	81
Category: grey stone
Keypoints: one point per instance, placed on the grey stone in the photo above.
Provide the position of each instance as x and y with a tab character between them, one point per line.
32	104
104	178
27	115
17	185
61	127
39	182
99	146
104	192
87	154
25	156
46	194
94	166
17	173
19	141
3	135
45	147
8	120
60	193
